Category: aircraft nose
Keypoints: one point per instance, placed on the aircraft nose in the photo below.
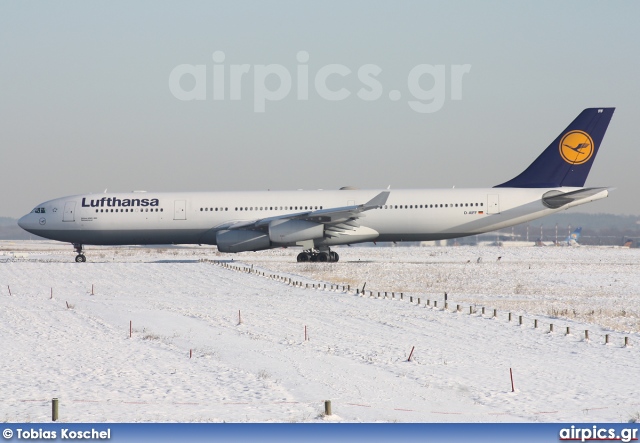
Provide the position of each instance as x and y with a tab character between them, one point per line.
25	223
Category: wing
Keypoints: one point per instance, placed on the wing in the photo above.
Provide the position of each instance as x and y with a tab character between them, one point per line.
336	220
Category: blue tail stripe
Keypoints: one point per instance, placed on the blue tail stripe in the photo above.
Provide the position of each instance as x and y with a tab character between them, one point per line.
567	161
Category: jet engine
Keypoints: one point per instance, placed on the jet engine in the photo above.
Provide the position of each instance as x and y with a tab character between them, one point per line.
241	240
291	231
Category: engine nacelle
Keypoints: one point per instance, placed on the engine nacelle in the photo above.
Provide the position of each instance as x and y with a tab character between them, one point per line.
291	231
241	240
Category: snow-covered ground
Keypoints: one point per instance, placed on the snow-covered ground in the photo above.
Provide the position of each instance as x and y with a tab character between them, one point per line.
246	333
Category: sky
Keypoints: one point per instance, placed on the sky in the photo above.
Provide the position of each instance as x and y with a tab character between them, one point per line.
208	96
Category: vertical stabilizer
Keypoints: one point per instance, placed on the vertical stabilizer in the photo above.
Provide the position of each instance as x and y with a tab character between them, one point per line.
568	159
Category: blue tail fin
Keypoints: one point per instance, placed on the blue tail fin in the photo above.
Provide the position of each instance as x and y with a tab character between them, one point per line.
574	236
567	161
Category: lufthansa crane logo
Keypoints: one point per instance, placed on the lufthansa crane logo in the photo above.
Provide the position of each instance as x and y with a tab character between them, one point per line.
576	147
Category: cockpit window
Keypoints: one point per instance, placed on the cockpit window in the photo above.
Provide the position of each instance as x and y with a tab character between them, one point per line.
39	210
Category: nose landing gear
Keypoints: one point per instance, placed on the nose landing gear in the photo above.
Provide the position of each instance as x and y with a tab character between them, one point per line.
80	258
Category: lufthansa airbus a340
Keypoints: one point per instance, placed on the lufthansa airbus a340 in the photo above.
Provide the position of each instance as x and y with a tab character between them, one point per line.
317	220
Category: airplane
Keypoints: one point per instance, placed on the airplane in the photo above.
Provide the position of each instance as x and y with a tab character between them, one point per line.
571	240
318	220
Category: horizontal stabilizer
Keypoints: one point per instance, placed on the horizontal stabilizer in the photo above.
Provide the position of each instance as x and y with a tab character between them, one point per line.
558	199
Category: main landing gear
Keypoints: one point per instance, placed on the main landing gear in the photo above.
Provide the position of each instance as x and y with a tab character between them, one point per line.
80	258
319	256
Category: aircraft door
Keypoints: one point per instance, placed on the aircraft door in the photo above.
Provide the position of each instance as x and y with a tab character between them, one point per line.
69	212
180	210
493	204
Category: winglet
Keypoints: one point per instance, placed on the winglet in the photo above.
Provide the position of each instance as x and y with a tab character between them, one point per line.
377	201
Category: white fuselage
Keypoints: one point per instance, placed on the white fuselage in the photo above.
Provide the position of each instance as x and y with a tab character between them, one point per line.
196	217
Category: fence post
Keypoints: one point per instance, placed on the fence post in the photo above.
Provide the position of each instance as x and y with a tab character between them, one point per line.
513	389
568	331
586	334
470	310
606	339
483	310
509	317
520	320
535	323
626	342
495	313
327	407
551	327
54	409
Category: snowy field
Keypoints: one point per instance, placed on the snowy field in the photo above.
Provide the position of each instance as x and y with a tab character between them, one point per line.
250	361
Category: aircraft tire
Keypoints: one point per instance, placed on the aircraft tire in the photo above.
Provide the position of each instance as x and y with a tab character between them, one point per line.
303	257
80	258
323	257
